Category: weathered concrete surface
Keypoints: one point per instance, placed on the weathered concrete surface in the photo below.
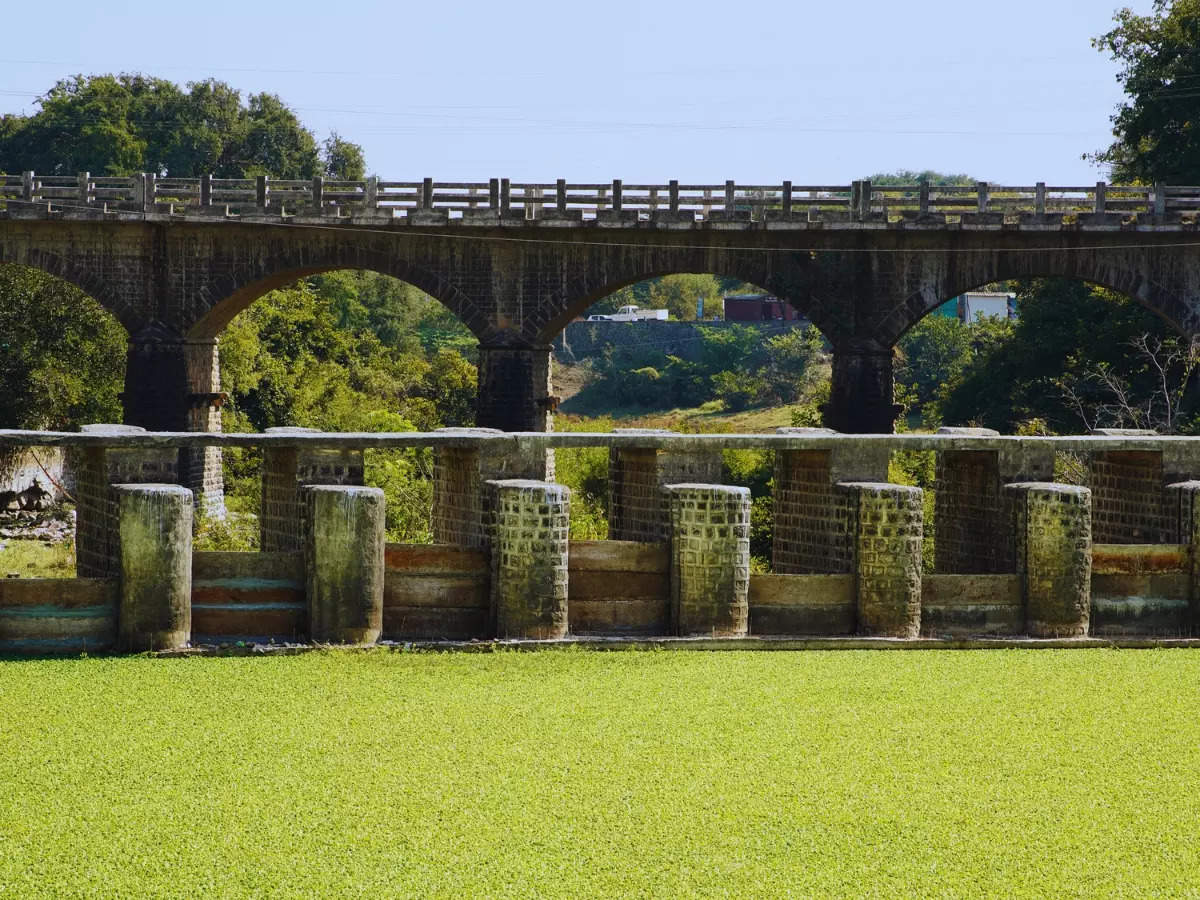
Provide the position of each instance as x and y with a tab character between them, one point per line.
886	527
344	563
710	559
529	558
802	604
516	284
155	610
436	591
1052	531
619	587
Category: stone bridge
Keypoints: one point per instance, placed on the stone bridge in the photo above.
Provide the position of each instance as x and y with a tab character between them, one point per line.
176	259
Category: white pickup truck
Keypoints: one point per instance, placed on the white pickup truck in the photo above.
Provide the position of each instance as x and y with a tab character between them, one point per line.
637	314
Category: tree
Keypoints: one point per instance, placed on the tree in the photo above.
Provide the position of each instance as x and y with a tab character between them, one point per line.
122	124
1155	130
1059	362
343	160
679	293
909	176
62	357
932	354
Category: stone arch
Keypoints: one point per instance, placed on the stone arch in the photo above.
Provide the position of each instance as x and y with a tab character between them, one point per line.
227	294
579	294
1131	277
87	279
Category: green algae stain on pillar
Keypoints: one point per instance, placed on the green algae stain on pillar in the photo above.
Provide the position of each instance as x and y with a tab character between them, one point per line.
344	558
156	566
1052	531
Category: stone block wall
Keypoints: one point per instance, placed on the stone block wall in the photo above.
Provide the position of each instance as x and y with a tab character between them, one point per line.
710	559
811	533
888	526
1052	537
529	558
97	536
638	510
969	513
285	471
1128	498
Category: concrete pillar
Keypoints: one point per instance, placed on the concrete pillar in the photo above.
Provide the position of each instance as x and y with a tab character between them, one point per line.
96	513
886	523
861	397
155	610
343	563
710	559
1052	531
638	510
529	558
1183	499
514	389
285	472
173	384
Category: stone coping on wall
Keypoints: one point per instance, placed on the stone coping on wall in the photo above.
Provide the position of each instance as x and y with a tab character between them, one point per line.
124	438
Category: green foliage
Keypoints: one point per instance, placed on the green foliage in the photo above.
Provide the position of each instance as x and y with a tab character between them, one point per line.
314	355
122	124
908	176
679	293
1155	133
62	356
585	471
733	364
1072	349
309	355
931	356
1035	773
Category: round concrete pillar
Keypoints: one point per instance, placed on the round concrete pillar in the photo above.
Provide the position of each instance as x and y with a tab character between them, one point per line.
1052	527
155	529
887	524
344	552
529	558
710	559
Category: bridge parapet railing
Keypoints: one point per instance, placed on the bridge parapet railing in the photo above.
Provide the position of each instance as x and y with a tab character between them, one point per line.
431	201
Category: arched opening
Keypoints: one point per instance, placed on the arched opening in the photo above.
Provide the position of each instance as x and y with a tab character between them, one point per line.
62	366
344	350
1057	355
726	356
688	346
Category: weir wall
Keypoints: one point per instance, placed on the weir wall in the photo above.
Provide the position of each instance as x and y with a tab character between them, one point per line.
1025	557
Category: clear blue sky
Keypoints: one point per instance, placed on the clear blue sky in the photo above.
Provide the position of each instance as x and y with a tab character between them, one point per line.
757	91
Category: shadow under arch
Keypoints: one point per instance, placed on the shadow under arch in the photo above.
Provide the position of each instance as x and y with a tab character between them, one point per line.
235	292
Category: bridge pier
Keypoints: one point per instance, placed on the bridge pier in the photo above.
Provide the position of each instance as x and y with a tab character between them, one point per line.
173	384
861	399
514	389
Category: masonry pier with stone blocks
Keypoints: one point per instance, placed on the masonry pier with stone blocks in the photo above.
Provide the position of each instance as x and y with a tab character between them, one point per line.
1017	557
